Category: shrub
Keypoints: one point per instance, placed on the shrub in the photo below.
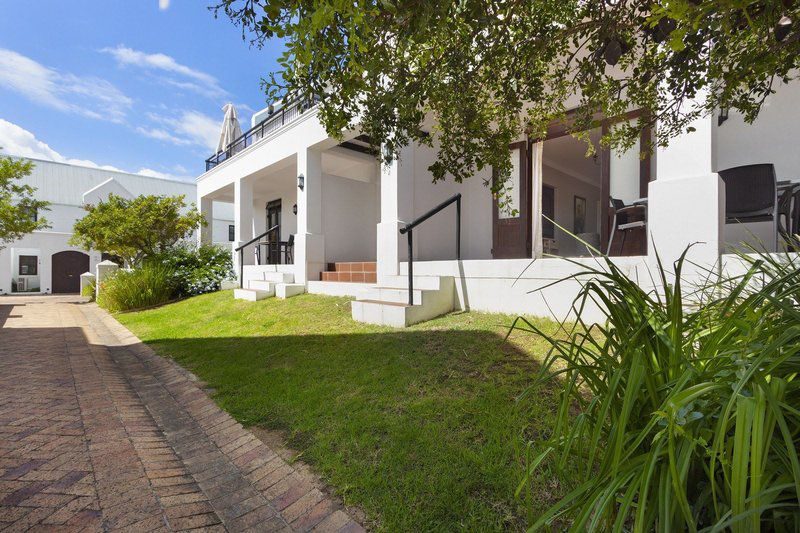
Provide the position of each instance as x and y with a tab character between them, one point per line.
679	416
88	290
197	269
151	284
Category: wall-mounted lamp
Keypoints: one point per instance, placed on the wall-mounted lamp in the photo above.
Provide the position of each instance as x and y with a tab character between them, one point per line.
723	116
294	209
301	182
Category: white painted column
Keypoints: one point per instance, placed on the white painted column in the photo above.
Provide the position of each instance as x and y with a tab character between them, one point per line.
205	235
397	208
243	220
687	203
309	256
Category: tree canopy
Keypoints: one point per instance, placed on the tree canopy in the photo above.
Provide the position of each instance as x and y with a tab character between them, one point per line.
18	208
137	228
489	71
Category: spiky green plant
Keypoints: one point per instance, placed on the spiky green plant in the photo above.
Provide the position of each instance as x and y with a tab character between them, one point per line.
151	284
682	411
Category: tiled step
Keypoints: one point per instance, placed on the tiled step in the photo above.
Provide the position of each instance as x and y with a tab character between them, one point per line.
352	272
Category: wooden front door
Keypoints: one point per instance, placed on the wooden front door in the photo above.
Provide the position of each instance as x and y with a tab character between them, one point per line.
273	219
511	223
67	269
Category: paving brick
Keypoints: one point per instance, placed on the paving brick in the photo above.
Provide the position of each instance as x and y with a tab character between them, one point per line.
99	433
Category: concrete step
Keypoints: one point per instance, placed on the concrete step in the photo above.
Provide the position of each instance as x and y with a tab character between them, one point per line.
278	277
388	306
391	294
261	285
420	282
251	295
287	290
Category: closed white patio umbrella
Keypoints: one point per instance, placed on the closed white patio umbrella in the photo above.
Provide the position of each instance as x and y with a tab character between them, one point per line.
231	130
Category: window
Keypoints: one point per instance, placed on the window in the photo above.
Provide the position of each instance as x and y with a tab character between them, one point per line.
28	265
549	211
32	212
231	232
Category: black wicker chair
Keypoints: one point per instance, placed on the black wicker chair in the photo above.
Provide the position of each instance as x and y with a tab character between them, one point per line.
751	195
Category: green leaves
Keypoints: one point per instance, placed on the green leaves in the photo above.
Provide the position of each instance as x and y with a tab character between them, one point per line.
685	402
487	72
138	228
19	210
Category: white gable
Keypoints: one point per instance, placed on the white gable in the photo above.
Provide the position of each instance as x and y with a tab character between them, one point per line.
101	192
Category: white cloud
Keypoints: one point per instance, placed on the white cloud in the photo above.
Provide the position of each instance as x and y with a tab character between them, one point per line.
163	4
17	141
194	80
88	96
186	128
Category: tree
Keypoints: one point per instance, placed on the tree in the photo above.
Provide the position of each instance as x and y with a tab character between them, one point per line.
135	229
18	208
487	71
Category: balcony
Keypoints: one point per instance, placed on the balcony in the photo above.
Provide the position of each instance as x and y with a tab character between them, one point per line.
275	121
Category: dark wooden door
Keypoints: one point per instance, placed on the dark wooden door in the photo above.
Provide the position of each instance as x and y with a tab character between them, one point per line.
511	224
273	219
67	269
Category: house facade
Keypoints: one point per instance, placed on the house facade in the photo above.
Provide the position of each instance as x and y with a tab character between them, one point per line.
341	212
43	262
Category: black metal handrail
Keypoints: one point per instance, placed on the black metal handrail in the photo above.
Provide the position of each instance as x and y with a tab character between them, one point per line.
274	121
409	228
241	248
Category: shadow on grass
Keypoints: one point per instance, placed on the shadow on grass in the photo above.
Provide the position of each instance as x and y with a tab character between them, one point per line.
421	428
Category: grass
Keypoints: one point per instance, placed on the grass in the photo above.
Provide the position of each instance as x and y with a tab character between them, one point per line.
421	428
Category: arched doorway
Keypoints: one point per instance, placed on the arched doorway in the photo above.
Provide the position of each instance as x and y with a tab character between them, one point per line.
67	269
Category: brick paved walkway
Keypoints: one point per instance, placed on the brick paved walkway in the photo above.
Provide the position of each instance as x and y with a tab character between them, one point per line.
98	433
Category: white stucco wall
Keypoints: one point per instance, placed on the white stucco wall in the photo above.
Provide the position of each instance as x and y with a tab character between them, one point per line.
349	217
435	239
65	187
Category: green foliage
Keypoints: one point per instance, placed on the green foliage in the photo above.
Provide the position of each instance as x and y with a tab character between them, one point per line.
17	204
136	229
198	269
89	291
150	284
686	414
490	71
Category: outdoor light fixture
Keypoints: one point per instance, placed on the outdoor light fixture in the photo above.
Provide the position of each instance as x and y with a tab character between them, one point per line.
783	28
301	182
723	116
294	209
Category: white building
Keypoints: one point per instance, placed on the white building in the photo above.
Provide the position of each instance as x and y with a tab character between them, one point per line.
342	211
43	261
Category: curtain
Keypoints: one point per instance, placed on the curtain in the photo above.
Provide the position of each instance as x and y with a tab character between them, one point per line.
536	207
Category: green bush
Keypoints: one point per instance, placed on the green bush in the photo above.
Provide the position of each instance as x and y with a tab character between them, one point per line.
680	416
197	269
89	290
151	284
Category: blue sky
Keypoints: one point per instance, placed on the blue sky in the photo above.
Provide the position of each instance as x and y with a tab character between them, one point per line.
137	85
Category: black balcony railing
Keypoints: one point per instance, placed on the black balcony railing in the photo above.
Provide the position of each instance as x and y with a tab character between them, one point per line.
274	121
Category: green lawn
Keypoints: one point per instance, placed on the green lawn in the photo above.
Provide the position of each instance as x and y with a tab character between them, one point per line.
421	428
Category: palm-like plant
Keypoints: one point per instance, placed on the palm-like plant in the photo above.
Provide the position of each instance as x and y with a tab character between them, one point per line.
687	407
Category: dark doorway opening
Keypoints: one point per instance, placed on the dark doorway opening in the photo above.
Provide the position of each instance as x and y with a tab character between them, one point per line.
67	269
273	237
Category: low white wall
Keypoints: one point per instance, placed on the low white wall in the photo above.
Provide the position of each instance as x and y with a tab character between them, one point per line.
522	286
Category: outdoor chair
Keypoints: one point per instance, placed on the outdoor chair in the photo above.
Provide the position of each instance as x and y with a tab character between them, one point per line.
751	195
288	251
623	220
